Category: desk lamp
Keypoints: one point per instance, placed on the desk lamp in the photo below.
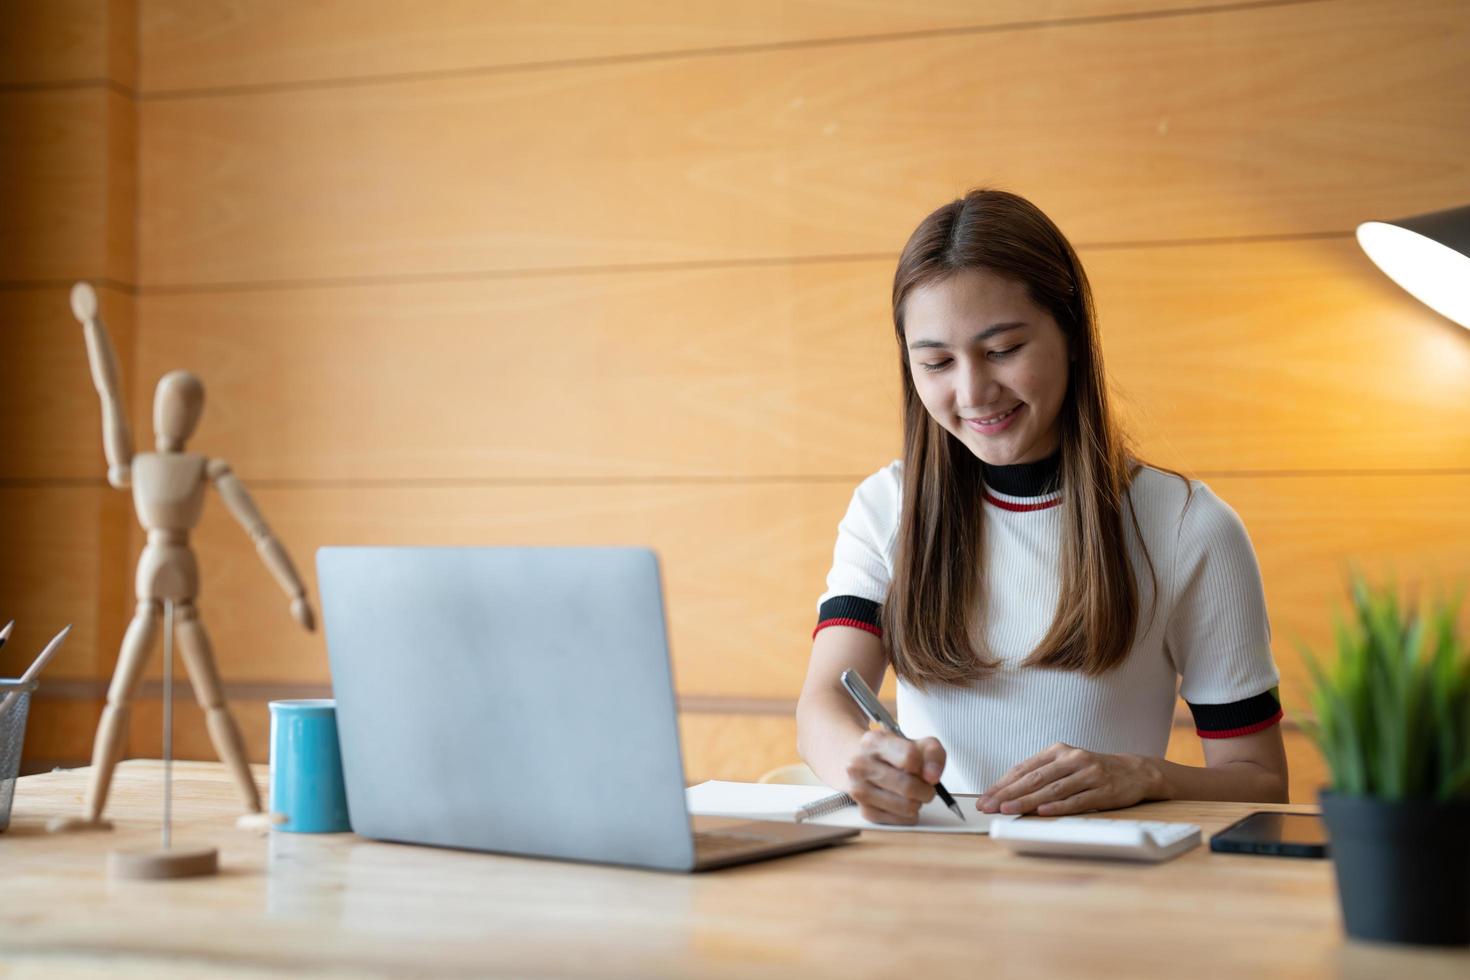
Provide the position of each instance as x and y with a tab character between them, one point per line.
1429	255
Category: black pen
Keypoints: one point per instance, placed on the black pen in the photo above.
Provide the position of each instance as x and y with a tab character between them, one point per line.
873	708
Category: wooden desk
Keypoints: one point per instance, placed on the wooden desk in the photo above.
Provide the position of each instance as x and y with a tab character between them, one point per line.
887	905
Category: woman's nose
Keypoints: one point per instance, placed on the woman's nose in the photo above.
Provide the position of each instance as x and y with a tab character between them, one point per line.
977	387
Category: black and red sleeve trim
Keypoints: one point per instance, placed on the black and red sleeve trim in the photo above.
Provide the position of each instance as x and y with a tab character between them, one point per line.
849	610
1237	718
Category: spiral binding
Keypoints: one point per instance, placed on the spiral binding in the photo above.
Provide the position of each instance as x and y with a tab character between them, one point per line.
824	806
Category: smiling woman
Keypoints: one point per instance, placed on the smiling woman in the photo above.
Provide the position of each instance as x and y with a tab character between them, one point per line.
994	570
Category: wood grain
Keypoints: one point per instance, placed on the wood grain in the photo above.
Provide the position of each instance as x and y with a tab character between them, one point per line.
189	44
716	746
49	41
123	54
59	732
826	151
682	373
67	178
65	547
291	904
190	734
1286	356
50	417
743	565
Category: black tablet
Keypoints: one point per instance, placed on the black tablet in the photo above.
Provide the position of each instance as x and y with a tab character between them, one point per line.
1280	834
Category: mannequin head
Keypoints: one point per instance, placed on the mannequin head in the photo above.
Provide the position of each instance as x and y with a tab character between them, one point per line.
178	401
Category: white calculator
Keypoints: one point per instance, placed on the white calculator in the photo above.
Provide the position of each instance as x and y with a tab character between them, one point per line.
1130	840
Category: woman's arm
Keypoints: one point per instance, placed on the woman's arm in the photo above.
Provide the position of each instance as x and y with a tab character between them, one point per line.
1249	768
888	776
1064	779
828	724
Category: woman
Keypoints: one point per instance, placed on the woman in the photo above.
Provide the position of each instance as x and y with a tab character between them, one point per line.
1042	595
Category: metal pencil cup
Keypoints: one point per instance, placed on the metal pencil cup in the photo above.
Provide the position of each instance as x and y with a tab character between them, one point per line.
12	735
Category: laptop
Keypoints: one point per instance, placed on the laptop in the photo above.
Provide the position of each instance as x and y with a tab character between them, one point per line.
520	700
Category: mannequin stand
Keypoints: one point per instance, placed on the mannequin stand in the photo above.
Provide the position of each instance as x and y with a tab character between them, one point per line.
165	862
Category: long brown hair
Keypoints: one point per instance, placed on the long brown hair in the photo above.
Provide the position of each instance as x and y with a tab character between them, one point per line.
933	615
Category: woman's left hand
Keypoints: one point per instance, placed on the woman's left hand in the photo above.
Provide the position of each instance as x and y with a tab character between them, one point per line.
1064	779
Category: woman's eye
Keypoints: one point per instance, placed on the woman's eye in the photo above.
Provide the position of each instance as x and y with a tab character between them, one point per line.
937	365
1007	352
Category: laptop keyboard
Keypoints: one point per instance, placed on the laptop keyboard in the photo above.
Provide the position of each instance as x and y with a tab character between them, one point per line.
712	843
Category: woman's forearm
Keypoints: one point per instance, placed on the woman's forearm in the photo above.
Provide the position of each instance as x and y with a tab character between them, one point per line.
828	729
1241	781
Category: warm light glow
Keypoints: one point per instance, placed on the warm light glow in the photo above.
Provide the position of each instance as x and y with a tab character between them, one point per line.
1434	274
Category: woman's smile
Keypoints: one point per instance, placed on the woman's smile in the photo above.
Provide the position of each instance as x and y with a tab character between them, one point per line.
998	424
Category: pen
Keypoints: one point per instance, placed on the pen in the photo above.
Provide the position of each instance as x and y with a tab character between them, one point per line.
873	708
33	669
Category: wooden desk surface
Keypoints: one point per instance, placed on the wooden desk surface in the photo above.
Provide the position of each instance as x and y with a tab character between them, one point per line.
887	905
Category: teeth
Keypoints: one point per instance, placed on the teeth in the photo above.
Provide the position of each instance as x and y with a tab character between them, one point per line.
997	418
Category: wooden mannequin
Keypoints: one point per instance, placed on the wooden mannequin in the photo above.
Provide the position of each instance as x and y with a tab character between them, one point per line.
168	493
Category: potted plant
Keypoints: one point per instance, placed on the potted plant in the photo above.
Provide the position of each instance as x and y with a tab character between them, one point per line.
1393	723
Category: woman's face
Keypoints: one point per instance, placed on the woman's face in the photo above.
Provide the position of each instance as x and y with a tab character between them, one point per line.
978	349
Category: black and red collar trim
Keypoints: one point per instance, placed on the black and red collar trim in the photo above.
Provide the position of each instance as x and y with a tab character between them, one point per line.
1005	502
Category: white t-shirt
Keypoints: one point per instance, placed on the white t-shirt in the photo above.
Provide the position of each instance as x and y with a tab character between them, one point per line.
1208	641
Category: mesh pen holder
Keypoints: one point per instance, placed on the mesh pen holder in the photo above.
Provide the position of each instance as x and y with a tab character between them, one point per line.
12	735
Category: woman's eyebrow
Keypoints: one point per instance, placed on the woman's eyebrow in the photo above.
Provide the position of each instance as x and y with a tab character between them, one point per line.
985	334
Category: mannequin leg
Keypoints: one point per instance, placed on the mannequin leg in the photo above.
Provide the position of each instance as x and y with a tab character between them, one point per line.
111	738
223	732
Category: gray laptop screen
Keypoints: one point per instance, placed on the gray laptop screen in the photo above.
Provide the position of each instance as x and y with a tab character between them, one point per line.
507	699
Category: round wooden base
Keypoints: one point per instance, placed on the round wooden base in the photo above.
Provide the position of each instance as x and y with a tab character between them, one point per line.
186	863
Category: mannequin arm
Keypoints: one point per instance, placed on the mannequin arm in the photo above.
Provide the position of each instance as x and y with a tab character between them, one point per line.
271	552
117	441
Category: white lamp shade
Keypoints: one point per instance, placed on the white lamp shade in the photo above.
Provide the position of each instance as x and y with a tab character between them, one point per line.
1428	255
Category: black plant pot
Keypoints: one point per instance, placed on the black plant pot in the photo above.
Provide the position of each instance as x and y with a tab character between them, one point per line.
1403	868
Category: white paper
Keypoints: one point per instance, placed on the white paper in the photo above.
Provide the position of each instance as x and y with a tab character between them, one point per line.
779	801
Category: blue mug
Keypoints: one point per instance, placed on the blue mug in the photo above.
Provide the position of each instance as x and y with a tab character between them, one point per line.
306	767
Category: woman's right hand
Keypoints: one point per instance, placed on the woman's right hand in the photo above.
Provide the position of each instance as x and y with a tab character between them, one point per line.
890	777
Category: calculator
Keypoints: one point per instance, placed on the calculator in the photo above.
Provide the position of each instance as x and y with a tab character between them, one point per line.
1098	837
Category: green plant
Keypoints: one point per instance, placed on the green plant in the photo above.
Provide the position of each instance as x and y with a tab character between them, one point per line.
1393	716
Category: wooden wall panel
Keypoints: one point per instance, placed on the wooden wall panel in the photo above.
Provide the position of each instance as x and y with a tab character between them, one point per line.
123	53
62	546
120	208
67	178
1291	356
694	372
829	151
50	416
1308	531
190	734
1286	356
744	564
59	732
189	44
735	746
50	41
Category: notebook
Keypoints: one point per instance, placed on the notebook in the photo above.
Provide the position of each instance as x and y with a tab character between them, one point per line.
820	805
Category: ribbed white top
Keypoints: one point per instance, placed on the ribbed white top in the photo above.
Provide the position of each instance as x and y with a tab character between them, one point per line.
1209	641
